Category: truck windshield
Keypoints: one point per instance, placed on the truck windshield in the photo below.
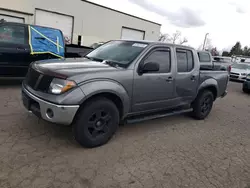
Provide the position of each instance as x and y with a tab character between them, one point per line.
120	52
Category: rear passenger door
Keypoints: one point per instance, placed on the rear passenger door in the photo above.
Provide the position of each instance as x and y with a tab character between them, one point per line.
187	77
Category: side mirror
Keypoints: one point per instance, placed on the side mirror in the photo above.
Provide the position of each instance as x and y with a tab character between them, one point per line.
150	67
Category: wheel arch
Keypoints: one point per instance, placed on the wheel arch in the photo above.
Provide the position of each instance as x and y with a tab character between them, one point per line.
110	90
211	85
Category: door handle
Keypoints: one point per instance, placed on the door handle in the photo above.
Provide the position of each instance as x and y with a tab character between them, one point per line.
169	79
193	78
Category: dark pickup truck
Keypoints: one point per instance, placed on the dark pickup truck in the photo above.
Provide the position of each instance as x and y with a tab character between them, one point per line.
209	62
121	81
16	53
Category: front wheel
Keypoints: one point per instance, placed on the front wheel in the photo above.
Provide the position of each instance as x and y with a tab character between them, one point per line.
202	105
96	123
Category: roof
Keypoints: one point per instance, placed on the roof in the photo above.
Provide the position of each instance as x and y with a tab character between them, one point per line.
86	1
25	24
155	43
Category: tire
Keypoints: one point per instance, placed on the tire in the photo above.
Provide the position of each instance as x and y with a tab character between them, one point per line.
202	105
96	123
245	90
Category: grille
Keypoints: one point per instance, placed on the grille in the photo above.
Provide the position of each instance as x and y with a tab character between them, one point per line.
36	83
44	83
32	77
234	73
234	76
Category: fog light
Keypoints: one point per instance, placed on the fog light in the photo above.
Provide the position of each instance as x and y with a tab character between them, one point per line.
50	113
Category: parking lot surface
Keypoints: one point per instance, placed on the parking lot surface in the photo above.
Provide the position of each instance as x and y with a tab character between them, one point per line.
171	152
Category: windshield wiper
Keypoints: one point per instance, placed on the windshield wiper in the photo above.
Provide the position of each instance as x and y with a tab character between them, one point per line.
112	63
93	58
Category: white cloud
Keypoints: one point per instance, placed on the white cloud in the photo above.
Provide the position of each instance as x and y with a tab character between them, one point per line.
226	21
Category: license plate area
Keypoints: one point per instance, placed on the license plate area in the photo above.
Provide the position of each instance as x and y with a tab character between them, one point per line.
232	76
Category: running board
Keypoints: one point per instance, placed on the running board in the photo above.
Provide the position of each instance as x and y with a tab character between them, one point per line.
156	116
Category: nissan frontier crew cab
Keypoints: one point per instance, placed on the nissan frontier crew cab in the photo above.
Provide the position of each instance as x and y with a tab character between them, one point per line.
121	81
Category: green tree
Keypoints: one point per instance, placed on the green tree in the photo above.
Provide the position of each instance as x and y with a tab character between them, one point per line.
246	51
236	49
225	53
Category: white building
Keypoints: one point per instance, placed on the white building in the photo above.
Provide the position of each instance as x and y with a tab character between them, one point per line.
80	20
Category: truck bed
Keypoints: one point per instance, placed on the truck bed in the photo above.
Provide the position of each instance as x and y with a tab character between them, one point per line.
216	76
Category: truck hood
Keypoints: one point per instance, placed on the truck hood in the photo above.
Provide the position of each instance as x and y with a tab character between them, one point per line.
71	66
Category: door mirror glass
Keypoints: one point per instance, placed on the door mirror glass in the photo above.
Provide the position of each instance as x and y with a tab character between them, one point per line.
150	67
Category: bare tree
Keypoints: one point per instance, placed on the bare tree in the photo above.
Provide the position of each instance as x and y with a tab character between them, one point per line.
173	38
184	40
164	37
208	45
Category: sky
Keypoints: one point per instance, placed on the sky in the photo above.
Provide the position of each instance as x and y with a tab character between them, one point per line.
226	21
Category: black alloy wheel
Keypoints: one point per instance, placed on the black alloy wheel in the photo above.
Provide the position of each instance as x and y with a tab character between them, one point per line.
203	104
96	122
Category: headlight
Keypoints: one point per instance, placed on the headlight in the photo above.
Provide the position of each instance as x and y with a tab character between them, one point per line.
59	86
243	74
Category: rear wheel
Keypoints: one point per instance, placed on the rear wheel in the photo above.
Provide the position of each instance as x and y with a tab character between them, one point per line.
202	105
96	123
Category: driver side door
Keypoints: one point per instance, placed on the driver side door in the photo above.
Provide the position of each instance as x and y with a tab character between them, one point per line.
154	90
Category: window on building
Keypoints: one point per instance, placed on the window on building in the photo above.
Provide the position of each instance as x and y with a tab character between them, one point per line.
185	60
162	57
13	34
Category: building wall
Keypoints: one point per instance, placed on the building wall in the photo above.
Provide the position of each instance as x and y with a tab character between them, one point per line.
93	22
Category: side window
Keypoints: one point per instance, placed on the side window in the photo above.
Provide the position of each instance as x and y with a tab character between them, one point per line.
204	57
190	60
162	57
12	34
185	60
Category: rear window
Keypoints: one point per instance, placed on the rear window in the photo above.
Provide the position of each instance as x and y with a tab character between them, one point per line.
204	57
14	34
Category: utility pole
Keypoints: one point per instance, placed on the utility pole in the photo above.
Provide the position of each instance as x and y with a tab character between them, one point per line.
205	40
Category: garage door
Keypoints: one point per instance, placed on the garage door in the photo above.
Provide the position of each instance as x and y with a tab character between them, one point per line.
132	34
11	18
55	20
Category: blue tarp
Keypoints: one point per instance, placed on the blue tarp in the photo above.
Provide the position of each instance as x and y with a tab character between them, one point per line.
46	40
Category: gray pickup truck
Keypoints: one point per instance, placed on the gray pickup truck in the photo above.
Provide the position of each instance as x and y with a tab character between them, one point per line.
121	81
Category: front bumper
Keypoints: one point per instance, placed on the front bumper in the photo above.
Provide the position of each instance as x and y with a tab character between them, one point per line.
237	77
59	114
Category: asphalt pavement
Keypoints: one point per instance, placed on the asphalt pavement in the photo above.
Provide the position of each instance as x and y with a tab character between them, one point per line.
173	152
